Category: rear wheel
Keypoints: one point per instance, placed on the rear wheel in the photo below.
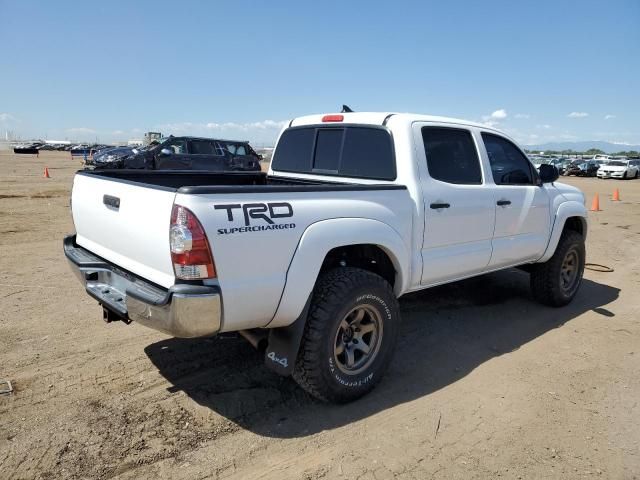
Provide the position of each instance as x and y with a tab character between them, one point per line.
350	335
556	281
624	175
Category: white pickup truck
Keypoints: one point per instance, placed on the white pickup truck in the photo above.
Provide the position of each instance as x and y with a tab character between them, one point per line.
308	261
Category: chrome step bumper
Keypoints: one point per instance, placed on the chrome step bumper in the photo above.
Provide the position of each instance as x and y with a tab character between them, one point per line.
184	310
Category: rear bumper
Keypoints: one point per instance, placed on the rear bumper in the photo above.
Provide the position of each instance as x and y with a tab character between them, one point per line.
182	311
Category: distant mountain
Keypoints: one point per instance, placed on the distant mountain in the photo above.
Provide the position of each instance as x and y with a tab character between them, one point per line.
606	147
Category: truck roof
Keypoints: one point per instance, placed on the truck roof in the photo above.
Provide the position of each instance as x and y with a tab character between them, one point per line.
380	118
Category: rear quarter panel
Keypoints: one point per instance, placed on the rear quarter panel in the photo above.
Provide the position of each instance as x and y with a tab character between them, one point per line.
252	264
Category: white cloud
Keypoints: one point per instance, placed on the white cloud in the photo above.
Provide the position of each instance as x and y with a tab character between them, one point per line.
264	131
263	125
609	116
544	126
522	115
117	132
81	131
493	119
578	115
499	114
6	118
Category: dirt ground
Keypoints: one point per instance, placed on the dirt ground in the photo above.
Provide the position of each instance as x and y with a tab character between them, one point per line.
485	382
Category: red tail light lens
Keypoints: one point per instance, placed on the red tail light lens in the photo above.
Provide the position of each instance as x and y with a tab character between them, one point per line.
333	118
190	253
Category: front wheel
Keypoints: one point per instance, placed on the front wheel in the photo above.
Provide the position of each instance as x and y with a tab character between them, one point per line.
349	337
556	281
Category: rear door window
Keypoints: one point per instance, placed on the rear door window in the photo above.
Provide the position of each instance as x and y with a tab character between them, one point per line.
451	155
348	151
203	147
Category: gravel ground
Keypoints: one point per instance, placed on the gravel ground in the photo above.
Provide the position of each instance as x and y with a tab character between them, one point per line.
485	382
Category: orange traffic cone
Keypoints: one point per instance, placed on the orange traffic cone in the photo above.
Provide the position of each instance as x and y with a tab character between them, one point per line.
595	205
616	195
46	173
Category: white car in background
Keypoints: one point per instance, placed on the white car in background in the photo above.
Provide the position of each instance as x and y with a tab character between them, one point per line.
619	169
602	159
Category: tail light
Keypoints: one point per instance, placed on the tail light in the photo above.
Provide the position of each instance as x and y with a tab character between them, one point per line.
190	253
333	118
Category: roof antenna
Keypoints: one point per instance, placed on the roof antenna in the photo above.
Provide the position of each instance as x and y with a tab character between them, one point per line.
346	109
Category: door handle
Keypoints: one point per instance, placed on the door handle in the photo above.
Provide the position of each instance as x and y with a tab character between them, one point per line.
111	201
502	203
436	206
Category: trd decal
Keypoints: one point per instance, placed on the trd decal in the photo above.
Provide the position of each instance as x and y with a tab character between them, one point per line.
257	216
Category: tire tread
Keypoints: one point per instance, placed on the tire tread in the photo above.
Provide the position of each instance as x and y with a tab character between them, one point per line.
332	290
544	285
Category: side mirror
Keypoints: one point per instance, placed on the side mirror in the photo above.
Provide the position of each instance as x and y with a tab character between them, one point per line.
166	152
548	173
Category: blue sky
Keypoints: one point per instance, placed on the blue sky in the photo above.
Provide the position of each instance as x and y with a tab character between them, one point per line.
542	71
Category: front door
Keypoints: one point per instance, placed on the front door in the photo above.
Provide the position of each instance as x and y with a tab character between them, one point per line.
459	209
521	203
176	158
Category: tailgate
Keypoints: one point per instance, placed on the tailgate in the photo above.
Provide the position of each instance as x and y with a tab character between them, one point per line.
126	224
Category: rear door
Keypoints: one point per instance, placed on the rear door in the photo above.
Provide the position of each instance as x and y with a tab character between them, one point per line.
126	224
206	155
521	204
459	209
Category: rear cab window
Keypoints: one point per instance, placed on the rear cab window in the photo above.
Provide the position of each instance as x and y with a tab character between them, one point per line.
344	151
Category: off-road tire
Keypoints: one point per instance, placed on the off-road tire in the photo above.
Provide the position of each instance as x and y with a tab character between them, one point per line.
337	293
546	281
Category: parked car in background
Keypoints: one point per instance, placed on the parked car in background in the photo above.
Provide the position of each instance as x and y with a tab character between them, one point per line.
602	159
580	168
194	153
27	148
109	157
559	163
622	169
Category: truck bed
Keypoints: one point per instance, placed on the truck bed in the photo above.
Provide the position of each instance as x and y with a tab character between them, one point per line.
123	217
